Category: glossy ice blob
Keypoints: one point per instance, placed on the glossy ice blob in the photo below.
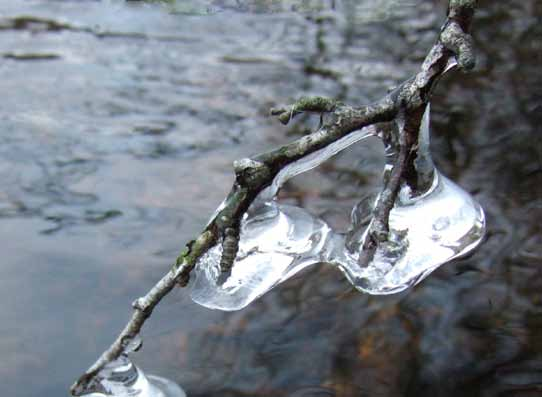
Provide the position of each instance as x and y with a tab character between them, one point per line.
121	378
276	241
433	221
427	231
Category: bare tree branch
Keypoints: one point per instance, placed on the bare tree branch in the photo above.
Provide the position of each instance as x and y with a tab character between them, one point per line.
253	175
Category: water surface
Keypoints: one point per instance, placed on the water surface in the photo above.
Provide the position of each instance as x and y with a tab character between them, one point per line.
120	122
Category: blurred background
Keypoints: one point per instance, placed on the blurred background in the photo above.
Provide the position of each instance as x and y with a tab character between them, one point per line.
119	123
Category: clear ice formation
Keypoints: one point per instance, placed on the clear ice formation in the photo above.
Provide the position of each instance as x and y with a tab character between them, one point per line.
121	378
276	241
429	226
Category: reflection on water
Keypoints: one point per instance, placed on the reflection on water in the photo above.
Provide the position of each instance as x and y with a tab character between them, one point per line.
119	125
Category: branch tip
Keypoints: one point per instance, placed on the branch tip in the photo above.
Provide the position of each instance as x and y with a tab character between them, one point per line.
230	246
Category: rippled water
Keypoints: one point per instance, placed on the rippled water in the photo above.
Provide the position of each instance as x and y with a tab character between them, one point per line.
119	125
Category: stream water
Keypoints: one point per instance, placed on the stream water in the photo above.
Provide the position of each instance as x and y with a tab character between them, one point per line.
120	121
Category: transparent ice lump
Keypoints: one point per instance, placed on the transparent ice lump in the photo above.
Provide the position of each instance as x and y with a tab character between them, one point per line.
121	378
429	226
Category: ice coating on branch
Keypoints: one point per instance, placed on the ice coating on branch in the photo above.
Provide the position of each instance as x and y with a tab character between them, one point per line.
276	241
432	222
121	378
314	160
426	232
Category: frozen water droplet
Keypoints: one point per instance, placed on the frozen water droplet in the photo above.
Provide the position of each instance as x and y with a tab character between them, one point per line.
121	378
433	221
443	224
276	241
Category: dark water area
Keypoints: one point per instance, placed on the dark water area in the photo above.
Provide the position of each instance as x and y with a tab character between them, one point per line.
119	123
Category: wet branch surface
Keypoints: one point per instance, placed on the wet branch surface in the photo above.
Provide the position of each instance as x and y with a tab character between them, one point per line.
252	175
